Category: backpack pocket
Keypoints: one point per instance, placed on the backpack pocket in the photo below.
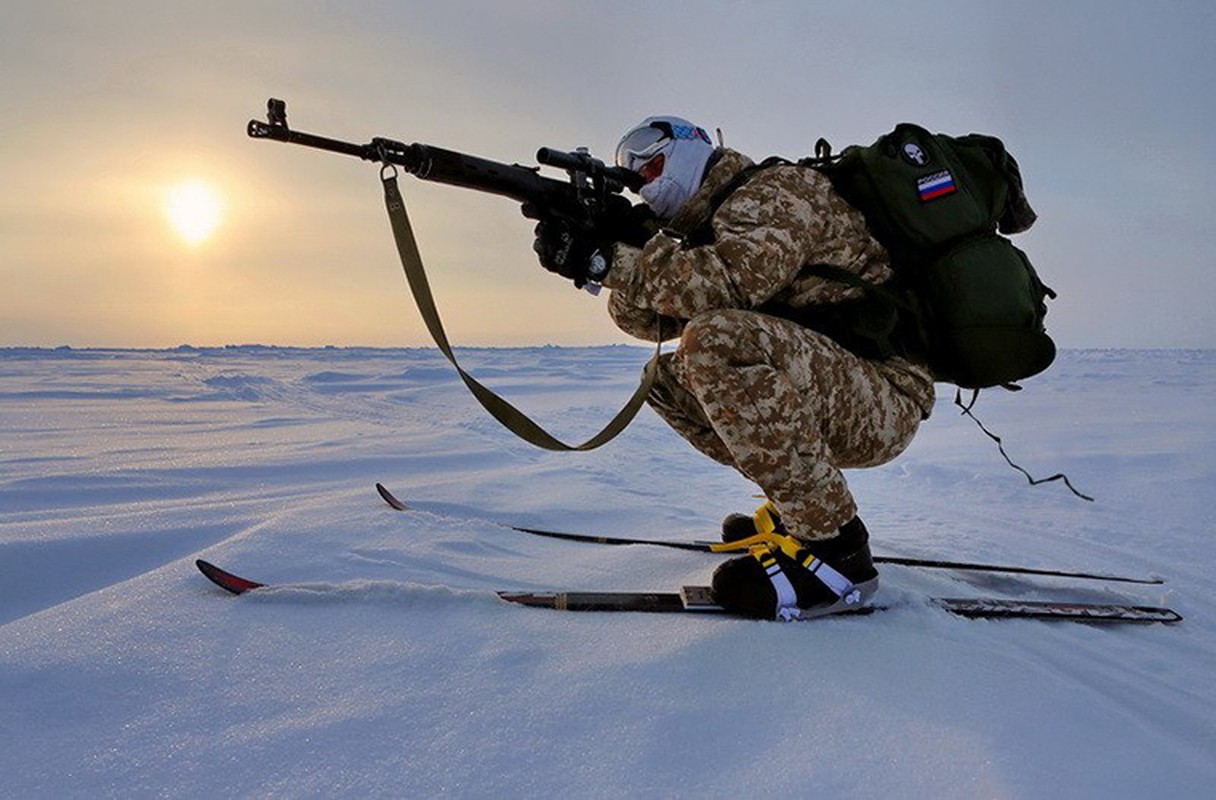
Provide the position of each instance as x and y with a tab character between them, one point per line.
984	306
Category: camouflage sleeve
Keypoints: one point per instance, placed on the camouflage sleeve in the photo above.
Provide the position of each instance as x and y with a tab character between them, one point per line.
641	323
765	232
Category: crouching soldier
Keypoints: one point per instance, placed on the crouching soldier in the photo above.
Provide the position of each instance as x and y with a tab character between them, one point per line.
774	374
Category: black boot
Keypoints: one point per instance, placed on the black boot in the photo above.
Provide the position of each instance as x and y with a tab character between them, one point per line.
822	577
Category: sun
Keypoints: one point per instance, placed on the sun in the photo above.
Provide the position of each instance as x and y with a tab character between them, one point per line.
194	210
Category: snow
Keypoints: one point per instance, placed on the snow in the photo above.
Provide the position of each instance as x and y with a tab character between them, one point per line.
384	665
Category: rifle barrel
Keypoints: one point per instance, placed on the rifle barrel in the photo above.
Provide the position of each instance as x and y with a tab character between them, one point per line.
281	133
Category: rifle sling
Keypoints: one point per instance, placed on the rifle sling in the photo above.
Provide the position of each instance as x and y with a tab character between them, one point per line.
512	418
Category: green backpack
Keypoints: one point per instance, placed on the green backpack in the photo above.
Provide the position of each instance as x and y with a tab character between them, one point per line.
970	304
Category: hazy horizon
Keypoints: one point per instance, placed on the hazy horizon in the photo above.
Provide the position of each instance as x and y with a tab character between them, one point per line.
137	214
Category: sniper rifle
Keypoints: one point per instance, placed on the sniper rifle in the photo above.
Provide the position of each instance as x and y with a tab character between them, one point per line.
592	192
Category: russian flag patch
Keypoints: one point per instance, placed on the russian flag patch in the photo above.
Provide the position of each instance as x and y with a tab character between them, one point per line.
939	184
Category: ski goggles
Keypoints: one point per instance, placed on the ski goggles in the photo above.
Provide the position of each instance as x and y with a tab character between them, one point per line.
642	144
645	142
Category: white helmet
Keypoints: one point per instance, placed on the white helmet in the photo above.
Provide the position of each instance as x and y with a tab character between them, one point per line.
671	154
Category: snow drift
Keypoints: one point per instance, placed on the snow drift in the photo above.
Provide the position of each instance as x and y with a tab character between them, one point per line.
386	667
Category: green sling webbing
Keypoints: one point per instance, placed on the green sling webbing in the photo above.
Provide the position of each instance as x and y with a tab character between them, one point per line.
511	417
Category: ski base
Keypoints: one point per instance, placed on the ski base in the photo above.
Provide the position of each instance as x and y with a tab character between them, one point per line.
985	608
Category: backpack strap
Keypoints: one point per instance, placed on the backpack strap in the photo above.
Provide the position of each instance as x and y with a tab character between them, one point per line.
1059	476
839	275
882	323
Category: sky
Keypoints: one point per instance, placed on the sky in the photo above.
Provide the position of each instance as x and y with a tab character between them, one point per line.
112	112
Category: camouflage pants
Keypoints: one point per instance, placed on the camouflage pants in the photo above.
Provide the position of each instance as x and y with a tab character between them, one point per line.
787	407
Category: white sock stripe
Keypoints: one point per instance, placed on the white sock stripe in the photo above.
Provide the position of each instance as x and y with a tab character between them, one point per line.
832	579
786	596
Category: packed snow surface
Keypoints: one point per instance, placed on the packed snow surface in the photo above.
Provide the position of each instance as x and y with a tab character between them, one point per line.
384	665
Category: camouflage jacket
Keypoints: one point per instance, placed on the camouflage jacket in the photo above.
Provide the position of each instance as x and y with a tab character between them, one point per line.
783	218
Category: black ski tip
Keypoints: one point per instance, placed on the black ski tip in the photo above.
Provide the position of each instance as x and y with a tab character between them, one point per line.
225	580
390	498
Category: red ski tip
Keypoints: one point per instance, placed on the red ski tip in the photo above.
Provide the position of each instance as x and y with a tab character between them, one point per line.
226	580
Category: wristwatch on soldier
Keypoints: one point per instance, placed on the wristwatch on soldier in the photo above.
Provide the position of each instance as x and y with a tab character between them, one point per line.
598	265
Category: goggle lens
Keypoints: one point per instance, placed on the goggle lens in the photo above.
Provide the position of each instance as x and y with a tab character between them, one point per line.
641	144
653	168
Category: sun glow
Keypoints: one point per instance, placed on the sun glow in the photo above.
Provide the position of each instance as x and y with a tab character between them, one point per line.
194	210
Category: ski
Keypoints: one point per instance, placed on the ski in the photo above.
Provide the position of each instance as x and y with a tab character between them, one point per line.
707	547
226	580
699	600
390	498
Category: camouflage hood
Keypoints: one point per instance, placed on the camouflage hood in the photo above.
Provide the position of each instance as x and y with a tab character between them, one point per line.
723	166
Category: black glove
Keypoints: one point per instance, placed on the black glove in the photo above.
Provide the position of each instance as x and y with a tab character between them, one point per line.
566	251
631	224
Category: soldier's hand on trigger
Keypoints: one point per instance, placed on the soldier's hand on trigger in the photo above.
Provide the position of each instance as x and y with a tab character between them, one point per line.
631	224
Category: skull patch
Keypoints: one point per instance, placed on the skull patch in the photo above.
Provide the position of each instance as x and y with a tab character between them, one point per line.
914	155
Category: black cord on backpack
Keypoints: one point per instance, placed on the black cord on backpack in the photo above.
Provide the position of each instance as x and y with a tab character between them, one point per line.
1059	476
